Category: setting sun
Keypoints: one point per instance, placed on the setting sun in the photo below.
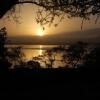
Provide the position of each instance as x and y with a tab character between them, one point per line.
40	33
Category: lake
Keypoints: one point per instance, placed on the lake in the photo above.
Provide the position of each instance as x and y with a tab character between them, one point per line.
33	50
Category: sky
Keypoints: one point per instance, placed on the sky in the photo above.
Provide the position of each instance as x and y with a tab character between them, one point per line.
28	27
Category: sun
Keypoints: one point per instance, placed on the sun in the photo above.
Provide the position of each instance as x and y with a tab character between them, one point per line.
40	33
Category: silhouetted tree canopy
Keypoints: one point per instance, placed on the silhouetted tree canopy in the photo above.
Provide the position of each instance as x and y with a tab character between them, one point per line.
93	58
49	57
9	55
15	55
4	64
3	34
57	8
75	53
33	64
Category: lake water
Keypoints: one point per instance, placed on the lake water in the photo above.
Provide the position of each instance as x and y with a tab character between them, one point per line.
33	50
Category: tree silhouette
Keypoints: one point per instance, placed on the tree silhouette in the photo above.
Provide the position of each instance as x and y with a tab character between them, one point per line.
8	55
75	54
92	59
49	57
3	34
57	8
4	64
15	55
33	64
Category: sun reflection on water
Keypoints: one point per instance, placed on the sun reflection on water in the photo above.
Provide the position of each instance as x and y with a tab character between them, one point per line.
40	50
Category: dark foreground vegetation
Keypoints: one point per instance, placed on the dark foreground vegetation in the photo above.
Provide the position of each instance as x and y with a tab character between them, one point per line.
80	82
78	77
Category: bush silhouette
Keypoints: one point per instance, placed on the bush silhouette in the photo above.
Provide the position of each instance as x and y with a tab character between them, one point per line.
93	58
33	64
74	54
4	64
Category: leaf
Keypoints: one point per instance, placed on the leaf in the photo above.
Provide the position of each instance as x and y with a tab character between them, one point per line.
56	25
43	28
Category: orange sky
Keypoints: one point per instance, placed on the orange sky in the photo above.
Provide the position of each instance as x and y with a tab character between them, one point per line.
29	26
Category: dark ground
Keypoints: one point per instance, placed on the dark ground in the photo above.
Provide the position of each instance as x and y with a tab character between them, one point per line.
48	83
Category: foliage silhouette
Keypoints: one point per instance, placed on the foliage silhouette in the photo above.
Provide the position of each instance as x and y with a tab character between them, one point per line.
92	59
15	55
9	56
49	57
3	34
4	64
74	54
33	64
56	8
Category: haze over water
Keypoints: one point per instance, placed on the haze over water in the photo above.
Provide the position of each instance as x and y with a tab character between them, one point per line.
33	50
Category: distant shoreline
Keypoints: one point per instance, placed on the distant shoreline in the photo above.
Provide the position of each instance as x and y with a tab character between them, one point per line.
38	43
49	43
